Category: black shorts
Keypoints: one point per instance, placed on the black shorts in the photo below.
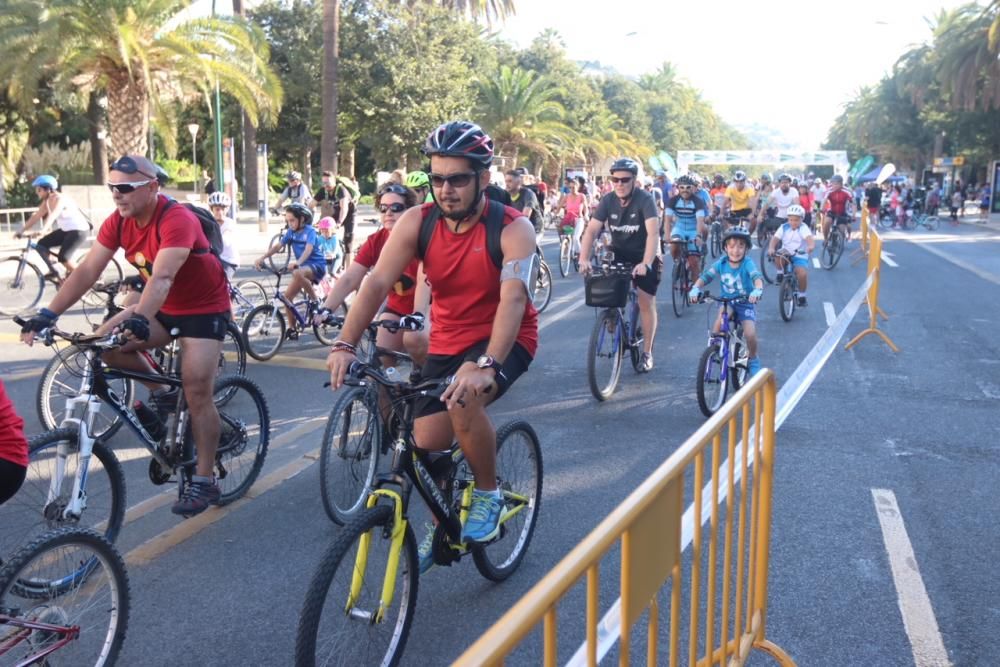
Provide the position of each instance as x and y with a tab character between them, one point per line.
11	477
651	281
212	325
742	213
348	228
67	242
443	365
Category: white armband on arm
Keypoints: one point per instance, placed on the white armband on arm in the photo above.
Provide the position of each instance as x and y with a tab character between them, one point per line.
525	270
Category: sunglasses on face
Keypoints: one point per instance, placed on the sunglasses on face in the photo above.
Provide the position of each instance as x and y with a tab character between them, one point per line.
127	165
683	187
455	180
395	208
624	180
126	188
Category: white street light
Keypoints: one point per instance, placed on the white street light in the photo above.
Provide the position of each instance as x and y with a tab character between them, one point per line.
193	129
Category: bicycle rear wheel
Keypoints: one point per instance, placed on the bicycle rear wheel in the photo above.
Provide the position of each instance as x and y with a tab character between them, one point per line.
831	252
738	373
677	284
232	360
349	454
245	435
31	512
932	222
565	256
543	288
604	354
716	240
711	380
336	628
786	296
519	478
264	332
327	333
61	380
21	286
44	583
112	274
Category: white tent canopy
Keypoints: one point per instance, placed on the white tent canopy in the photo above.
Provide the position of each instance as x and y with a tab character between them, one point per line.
838	159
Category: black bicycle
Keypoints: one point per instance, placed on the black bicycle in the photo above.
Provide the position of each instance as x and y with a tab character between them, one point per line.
64	487
362	597
680	276
833	244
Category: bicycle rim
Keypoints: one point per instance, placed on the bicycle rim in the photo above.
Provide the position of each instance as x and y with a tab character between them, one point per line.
250	295
330	631
543	288
712	380
349	454
21	286
61	380
97	601
564	257
677	292
244	438
264	332
232	360
604	361
767	268
786	298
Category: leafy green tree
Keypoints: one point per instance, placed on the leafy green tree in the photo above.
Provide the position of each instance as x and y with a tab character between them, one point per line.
138	53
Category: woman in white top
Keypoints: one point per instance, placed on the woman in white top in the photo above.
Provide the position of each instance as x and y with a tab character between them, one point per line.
219	202
70	227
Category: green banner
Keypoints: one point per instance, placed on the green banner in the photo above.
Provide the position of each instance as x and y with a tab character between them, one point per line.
861	166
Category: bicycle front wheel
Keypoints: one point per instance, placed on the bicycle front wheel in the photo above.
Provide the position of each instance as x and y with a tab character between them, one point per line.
604	356
786	296
251	294
543	288
264	332
245	435
338	628
69	580
327	333
932	222
716	242
39	505
349	454
712	380
832	248
21	286
678	283
767	266
279	260
61	381
565	250
519	478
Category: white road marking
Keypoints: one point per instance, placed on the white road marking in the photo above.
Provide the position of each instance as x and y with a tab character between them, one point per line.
816	263
888	260
831	314
555	317
914	604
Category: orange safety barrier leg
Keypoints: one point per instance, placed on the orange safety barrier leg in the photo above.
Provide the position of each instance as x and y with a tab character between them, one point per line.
775	652
878	332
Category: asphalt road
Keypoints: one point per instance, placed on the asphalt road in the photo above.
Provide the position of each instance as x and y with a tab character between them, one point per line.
226	588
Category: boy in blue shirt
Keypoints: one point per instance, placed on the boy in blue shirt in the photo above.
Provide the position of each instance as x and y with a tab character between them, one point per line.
739	277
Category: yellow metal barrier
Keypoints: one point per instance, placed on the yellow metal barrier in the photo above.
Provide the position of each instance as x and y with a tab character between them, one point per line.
875	271
726	614
862	250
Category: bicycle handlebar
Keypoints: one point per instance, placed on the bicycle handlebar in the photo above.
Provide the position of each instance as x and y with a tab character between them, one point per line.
103	342
411	324
708	296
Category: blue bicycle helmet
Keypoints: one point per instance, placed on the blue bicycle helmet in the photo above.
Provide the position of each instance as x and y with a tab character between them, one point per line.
45	181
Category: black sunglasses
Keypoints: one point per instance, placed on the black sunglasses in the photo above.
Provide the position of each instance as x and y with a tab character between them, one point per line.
127	165
455	180
395	208
126	188
392	188
624	179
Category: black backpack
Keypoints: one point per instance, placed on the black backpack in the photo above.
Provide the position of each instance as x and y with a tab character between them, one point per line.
494	229
209	226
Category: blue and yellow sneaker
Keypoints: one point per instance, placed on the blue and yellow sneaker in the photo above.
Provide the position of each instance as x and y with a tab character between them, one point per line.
483	523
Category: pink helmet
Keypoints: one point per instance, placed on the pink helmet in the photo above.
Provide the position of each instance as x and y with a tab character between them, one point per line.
325	223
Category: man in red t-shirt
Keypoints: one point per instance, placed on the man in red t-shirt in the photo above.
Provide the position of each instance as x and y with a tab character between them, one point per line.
185	289
839	204
484	328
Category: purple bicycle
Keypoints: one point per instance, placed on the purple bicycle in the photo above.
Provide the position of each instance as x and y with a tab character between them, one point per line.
724	361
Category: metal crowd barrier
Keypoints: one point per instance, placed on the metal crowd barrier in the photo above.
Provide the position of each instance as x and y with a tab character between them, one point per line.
643	544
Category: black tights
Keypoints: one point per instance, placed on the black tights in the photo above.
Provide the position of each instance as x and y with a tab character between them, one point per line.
11	477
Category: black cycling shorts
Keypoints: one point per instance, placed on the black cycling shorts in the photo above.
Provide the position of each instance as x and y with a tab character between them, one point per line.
67	242
11	477
443	365
211	325
348	227
651	281
742	213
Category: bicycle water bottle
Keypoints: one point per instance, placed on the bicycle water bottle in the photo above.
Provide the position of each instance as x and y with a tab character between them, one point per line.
393	375
149	420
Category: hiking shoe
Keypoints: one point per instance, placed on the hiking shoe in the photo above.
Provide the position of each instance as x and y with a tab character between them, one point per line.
196	498
425	551
646	362
164	402
753	367
802	302
483	523
291	334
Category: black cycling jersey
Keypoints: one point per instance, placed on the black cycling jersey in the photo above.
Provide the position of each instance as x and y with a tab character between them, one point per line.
628	225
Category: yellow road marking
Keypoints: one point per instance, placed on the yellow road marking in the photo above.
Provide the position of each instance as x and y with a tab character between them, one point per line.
10	337
289	361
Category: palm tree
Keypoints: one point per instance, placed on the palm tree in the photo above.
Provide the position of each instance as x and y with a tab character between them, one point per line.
966	56
521	113
140	53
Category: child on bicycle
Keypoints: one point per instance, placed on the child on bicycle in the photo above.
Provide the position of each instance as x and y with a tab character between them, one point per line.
793	237
330	245
736	273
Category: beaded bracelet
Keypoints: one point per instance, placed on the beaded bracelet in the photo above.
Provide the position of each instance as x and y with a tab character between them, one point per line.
343	345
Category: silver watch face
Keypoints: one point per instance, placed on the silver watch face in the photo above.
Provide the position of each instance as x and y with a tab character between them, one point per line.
484	361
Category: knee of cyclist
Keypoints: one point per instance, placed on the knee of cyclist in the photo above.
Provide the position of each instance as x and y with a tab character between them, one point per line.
198	391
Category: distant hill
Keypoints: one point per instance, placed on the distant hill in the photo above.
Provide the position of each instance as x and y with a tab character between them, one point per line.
762	136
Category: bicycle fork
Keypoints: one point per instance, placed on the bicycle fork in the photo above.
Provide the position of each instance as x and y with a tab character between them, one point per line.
392	565
77	501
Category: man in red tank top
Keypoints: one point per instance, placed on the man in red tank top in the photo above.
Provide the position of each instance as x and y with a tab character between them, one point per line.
485	330
185	288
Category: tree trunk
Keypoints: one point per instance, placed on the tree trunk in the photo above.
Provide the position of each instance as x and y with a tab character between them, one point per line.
249	157
331	81
307	165
128	114
347	166
97	130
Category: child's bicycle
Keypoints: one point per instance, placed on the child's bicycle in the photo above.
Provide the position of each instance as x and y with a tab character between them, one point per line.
265	330
363	595
64	600
724	362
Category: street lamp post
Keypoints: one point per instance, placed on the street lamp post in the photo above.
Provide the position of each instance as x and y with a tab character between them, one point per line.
193	129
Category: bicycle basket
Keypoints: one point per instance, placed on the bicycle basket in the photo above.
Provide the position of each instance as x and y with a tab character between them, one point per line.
607	290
